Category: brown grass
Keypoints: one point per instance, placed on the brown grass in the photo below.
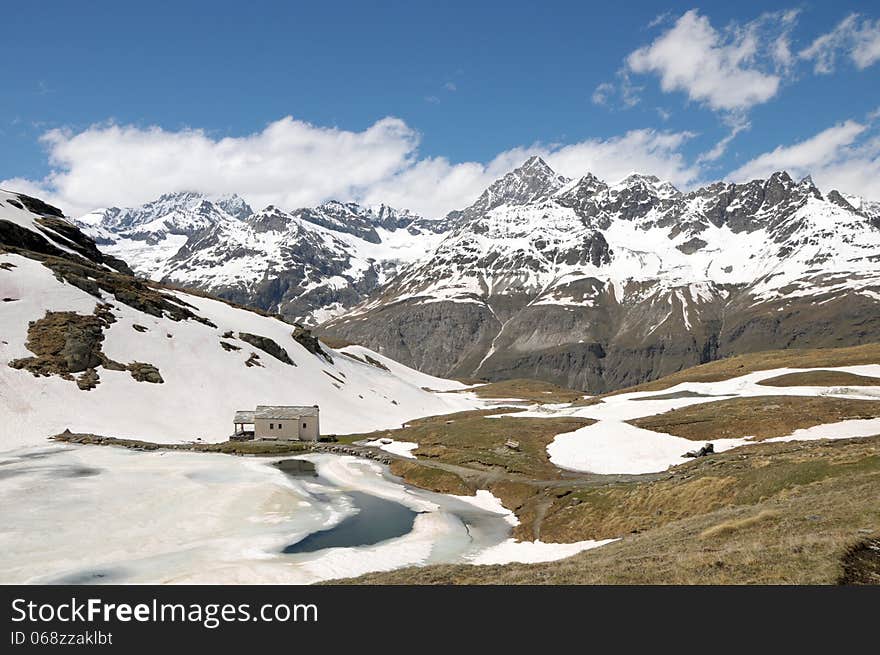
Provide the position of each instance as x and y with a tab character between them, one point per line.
225	447
724	369
428	477
763	417
816	502
530	390
821	379
476	439
738	524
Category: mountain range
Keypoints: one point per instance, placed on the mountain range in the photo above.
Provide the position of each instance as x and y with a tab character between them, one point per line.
309	264
576	281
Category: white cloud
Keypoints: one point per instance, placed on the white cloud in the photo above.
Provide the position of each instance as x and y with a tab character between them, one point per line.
638	151
450	86
294	164
718	150
845	156
659	19
290	162
436	183
856	37
602	92
728	71
628	92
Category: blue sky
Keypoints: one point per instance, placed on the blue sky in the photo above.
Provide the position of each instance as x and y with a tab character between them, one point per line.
110	103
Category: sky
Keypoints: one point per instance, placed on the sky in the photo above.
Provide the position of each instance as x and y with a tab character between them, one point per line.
421	105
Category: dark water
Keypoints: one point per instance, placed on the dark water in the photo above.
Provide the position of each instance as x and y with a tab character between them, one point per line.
299	468
377	519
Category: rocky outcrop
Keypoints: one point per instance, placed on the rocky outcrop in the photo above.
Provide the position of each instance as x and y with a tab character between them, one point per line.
303	336
452	337
143	372
268	346
67	343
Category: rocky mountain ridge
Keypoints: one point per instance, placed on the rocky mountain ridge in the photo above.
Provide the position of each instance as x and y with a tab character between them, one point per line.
598	286
308	264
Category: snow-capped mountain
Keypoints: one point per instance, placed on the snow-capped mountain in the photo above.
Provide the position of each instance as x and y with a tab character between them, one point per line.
308	264
597	286
86	345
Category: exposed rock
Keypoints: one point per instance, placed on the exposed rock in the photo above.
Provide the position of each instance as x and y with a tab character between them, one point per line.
37	206
303	336
145	372
708	449
267	345
692	245
64	343
375	362
88	380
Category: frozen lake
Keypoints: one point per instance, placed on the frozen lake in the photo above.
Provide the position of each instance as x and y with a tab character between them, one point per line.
81	514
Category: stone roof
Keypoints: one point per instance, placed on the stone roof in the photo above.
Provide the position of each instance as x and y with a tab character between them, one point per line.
243	416
285	411
278	412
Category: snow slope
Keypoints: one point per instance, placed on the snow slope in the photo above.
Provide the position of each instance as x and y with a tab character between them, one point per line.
203	383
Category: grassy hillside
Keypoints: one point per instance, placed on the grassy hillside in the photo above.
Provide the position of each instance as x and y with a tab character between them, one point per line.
794	513
820	378
724	369
762	417
528	390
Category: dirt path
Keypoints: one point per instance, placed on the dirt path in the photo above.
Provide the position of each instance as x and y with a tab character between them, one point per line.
483	478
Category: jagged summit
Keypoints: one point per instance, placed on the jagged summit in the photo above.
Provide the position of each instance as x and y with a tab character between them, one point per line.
532	182
308	263
595	286
535	165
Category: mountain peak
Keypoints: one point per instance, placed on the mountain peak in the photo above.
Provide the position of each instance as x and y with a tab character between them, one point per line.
536	164
532	182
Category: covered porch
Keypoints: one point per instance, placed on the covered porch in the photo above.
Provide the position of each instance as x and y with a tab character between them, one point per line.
244	426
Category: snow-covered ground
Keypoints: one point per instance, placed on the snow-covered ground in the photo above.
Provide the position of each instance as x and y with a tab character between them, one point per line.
203	383
402	448
611	445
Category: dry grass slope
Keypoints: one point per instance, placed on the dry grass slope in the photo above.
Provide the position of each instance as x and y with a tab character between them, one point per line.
476	439
820	379
763	417
528	390
724	369
782	513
